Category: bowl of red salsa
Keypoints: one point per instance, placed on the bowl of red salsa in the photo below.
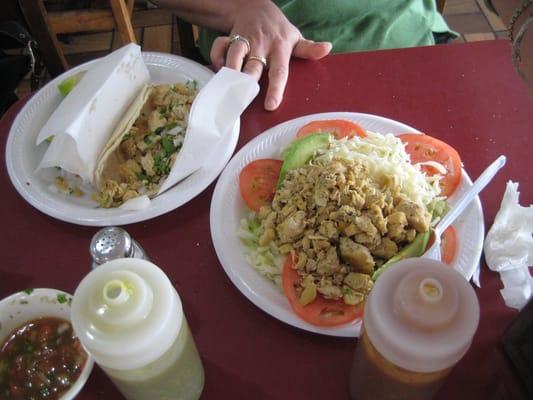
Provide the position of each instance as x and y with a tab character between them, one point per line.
40	357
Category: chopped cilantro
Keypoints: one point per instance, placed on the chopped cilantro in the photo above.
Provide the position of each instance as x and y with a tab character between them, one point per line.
147	139
168	145
161	164
127	136
159	130
143	177
23	302
62	298
192	85
28	290
171	125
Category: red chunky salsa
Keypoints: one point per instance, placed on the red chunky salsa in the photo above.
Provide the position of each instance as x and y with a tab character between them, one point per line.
40	360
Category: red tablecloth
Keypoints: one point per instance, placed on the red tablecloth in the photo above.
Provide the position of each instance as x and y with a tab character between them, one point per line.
466	94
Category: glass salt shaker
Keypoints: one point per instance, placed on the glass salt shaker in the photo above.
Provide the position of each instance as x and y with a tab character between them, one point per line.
113	242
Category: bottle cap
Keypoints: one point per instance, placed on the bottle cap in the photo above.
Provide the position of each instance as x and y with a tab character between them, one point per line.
126	313
421	315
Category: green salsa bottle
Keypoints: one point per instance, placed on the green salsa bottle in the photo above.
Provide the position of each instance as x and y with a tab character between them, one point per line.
130	319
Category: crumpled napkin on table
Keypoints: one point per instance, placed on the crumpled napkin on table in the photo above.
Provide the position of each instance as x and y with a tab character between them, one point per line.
509	248
83	122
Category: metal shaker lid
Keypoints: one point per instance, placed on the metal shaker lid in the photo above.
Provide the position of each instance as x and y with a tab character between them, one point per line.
110	243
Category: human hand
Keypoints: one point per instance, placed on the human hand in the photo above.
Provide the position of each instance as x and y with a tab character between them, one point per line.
270	36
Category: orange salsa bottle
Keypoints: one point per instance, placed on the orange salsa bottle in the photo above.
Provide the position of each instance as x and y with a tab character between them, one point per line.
419	321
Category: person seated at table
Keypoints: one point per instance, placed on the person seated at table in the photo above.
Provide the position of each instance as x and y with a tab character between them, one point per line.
270	32
258	35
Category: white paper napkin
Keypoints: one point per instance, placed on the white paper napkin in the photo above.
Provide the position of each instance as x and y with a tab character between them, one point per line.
85	119
509	248
213	114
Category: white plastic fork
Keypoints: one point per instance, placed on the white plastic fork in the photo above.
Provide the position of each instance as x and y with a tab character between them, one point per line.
434	251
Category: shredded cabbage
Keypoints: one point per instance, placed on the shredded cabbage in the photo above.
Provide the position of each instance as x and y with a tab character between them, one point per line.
264	259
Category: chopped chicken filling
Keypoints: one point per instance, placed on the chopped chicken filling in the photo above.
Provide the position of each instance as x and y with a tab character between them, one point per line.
340	225
150	147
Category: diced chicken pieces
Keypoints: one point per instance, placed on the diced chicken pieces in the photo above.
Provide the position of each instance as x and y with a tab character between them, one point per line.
385	249
302	260
309	291
351	297
368	233
321	196
128	148
330	264
358	256
160	95
156	120
268	236
147	162
360	282
292	227
129	194
378	220
417	216
128	170
328	229
396	225
264	211
336	220
327	289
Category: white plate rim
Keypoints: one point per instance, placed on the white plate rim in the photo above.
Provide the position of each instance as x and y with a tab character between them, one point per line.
29	187
469	251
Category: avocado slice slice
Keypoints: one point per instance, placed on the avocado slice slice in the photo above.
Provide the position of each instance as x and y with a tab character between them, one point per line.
414	249
300	151
67	84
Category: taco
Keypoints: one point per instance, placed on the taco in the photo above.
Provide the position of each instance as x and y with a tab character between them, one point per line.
143	149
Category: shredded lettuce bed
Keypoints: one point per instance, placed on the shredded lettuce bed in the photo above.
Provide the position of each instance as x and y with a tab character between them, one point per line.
262	258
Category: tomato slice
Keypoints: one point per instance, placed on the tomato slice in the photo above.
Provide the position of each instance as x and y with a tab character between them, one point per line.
423	148
448	245
321	312
257	182
339	128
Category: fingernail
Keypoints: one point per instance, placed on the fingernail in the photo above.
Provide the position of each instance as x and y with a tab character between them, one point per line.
270	103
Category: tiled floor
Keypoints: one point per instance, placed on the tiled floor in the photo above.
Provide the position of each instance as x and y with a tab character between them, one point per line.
470	18
473	20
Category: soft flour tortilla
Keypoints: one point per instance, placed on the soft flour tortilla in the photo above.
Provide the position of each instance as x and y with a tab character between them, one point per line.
107	166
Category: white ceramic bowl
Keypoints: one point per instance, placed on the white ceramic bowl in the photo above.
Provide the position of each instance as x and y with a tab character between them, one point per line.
31	304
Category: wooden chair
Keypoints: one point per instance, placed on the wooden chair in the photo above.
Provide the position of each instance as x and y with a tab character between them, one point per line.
440	5
46	26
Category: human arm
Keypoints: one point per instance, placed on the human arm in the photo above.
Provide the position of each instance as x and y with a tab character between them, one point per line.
262	23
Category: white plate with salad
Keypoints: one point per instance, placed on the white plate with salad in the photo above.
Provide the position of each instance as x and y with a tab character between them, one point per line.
232	220
23	156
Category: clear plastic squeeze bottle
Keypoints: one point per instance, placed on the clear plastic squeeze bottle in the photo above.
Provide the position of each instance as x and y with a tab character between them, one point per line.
129	318
419	321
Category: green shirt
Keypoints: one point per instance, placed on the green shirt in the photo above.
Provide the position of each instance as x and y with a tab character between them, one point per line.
355	25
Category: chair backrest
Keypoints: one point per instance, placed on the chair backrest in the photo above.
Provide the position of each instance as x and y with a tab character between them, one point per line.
440	5
45	27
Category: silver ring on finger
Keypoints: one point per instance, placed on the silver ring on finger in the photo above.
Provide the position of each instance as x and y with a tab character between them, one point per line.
238	38
260	59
